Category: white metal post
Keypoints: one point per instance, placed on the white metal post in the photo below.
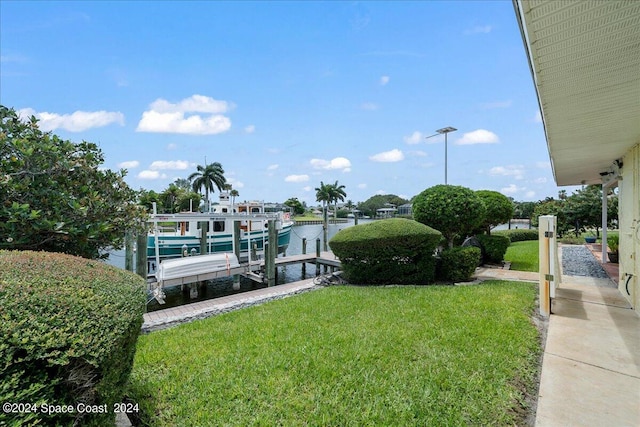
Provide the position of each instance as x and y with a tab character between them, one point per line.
549	268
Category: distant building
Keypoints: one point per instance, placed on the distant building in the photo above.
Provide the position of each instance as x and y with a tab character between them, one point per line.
406	209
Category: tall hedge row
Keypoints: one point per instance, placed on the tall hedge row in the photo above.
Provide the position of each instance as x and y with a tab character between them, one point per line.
518	234
390	251
68	331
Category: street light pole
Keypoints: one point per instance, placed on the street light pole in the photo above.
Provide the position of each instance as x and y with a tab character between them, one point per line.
440	132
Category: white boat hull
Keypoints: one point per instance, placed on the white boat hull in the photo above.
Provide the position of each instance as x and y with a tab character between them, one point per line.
196	268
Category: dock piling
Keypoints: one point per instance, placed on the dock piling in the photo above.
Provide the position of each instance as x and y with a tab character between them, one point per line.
271	254
141	255
128	251
304	252
318	256
236	250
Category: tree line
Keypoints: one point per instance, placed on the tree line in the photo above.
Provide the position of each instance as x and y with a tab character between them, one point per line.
55	196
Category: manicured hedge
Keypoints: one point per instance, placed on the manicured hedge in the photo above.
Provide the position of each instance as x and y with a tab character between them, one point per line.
458	264
518	234
390	251
495	246
68	332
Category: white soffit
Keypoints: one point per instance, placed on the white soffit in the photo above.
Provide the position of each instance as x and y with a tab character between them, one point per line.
585	60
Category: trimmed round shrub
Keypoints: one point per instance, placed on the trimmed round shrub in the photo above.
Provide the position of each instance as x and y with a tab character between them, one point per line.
499	209
458	264
518	234
389	251
68	335
495	246
453	210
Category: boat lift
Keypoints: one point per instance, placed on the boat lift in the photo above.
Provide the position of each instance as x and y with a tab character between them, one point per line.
192	269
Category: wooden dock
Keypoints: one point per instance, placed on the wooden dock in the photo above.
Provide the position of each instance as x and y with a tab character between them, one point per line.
319	221
325	258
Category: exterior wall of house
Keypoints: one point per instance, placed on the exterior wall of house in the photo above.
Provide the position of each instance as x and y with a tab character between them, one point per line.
629	225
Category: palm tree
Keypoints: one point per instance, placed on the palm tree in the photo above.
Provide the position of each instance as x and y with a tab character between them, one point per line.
170	197
182	183
323	194
233	194
349	204
206	178
336	193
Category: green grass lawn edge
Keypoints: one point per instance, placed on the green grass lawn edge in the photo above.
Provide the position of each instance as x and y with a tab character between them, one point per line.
412	355
523	255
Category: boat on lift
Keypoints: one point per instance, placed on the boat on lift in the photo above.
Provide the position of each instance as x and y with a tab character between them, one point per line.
179	235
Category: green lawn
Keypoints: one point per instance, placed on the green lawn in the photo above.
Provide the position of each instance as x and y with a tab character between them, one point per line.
348	356
523	255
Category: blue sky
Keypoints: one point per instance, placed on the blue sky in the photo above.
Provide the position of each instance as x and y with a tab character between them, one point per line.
285	94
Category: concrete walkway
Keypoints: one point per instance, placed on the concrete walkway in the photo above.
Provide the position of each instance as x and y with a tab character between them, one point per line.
199	310
591	362
483	273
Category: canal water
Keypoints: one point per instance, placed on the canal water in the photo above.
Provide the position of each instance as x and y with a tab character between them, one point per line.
175	296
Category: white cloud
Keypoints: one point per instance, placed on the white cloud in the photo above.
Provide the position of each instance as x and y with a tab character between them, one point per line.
147	174
370	106
341	163
394	155
172	146
153	121
530	194
480	136
543	165
362	186
129	164
272	167
479	29
516	171
297	178
538	117
76	122
250	129
171	164
496	104
541	180
415	138
511	189
381	192
166	117
384	80
195	104
418	153
307	188
235	183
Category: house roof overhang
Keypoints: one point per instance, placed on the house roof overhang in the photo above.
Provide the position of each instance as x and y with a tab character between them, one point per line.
584	58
